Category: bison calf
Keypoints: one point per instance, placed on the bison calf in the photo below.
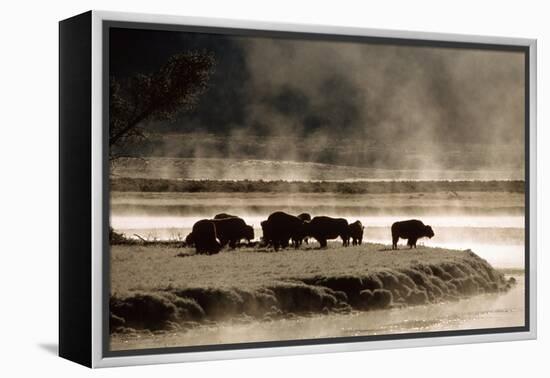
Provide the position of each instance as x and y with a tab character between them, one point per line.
412	230
356	232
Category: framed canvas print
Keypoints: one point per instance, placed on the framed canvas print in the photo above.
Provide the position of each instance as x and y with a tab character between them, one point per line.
232	189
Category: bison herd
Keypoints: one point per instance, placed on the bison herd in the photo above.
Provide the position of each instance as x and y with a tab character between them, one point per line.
280	230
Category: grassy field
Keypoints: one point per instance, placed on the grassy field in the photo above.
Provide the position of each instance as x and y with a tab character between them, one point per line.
159	287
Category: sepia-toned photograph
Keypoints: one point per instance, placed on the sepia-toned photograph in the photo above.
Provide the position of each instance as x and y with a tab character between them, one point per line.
271	187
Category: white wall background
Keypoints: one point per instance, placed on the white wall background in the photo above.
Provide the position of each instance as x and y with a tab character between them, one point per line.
28	211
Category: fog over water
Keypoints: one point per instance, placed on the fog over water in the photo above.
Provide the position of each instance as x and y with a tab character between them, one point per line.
498	239
124	222
229	169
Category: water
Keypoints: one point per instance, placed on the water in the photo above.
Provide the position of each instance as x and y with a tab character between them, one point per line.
164	222
482	311
498	239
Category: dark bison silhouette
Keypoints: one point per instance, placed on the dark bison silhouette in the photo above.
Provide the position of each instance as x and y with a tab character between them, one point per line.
231	230
267	239
266	236
306	217
323	228
356	232
189	242
412	230
280	227
203	236
224	216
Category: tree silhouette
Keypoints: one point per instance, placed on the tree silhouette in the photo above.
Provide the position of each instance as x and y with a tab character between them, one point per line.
174	88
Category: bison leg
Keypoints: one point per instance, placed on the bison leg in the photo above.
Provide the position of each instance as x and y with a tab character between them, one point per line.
395	239
232	244
413	242
323	243
345	239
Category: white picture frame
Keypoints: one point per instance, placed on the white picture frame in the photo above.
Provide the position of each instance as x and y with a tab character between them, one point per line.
97	357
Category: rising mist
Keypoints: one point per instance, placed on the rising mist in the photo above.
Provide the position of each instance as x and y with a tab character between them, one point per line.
359	104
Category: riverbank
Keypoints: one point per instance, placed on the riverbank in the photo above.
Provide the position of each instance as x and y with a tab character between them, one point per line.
178	290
